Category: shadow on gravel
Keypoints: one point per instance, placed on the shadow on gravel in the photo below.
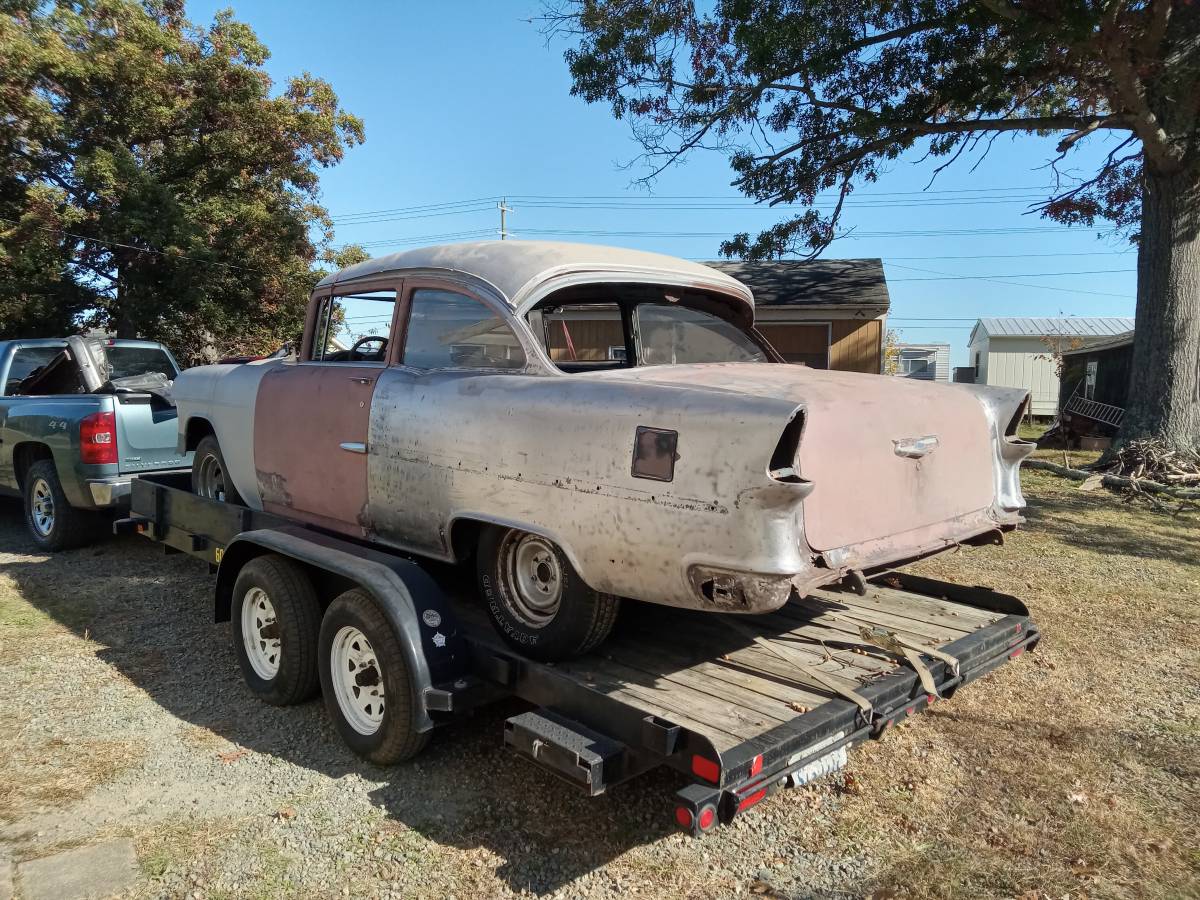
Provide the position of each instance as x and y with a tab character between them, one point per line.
152	616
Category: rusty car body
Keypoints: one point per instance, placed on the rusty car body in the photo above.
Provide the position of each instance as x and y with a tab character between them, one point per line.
676	461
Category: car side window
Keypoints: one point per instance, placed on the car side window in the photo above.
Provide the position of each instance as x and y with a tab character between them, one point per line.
451	330
354	328
28	360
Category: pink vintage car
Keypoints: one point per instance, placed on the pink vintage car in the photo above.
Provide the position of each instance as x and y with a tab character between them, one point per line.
587	424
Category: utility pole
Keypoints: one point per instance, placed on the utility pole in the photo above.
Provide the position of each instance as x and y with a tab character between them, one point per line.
504	208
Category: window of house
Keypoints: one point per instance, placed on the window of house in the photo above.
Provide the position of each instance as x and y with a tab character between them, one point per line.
451	330
354	328
915	362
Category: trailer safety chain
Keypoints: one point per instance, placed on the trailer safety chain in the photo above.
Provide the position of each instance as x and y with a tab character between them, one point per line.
791	657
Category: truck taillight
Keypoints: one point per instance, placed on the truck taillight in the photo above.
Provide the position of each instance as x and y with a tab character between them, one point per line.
98	438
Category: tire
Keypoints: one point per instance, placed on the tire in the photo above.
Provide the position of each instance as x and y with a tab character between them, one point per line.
275	596
53	523
355	637
210	476
536	599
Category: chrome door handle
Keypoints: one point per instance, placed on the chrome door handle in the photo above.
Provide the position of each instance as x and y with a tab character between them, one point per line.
358	379
354	447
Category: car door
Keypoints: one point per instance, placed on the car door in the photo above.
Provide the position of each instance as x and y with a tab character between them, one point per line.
311	417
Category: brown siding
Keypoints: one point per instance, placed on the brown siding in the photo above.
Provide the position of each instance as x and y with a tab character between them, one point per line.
591	339
807	344
856	346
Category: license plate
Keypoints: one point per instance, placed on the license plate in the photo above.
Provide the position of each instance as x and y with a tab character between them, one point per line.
822	765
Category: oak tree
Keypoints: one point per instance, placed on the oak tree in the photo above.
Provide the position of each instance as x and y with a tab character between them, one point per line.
813	96
154	181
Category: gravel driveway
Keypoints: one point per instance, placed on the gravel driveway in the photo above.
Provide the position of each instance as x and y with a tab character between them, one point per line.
124	716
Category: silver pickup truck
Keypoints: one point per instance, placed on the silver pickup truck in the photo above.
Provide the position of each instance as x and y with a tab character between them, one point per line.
79	418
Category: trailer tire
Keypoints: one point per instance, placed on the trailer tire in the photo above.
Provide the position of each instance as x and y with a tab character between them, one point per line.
366	681
276	596
536	599
210	475
53	523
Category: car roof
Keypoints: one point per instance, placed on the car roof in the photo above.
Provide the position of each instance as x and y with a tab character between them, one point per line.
516	270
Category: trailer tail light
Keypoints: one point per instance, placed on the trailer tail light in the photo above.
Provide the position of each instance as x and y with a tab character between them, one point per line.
706	769
98	438
683	816
708	818
756	765
750	799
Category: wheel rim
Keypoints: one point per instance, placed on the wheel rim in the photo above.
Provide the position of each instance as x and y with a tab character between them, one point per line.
260	633
357	680
534	579
210	481
41	507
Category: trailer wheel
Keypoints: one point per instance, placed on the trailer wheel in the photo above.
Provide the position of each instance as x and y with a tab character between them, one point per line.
275	619
366	681
537	600
210	477
53	522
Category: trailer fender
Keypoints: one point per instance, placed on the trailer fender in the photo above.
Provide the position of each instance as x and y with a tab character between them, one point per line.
414	605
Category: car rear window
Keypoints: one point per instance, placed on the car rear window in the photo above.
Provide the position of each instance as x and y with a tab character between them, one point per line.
128	362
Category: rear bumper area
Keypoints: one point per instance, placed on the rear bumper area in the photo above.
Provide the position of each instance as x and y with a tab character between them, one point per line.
113	492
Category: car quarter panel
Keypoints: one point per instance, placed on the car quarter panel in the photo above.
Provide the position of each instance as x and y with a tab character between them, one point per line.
553	455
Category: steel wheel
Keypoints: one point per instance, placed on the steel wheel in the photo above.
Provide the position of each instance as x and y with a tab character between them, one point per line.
535	578
210	478
42	507
260	633
357	680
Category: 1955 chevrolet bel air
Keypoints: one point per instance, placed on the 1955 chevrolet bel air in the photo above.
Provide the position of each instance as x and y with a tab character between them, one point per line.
590	423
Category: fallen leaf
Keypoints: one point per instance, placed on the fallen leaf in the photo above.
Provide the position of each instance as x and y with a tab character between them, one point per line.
1079	799
286	813
797	707
232	756
1161	845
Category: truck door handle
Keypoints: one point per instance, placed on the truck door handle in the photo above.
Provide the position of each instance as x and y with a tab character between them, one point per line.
354	447
359	379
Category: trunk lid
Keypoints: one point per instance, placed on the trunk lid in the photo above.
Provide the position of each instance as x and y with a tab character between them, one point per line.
885	455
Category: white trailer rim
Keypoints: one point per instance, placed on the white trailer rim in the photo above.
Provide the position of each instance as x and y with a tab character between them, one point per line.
260	633
42	507
357	680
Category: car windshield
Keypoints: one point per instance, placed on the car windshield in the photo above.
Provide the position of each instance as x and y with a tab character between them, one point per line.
585	337
130	362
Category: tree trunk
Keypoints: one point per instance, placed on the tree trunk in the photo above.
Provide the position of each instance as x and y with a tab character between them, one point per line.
1164	390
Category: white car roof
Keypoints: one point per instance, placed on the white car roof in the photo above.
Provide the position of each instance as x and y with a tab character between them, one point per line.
516	269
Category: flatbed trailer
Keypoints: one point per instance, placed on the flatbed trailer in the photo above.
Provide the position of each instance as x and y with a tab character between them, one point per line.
741	705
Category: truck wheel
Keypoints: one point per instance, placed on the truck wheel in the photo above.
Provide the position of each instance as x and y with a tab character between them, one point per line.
366	682
537	600
53	522
275	620
210	478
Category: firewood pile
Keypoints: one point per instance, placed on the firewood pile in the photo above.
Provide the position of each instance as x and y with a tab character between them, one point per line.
1150	459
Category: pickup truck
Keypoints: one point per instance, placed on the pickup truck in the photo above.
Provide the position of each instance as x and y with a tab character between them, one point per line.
80	418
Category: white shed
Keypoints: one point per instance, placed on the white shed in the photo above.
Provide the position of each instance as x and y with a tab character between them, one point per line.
926	362
1019	352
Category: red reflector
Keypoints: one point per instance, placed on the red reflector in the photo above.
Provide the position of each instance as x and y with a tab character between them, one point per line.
708	817
98	438
751	799
706	769
1018	628
1016	653
929	698
683	816
756	766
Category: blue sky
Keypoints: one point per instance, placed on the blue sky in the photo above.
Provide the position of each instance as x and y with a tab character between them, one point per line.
466	100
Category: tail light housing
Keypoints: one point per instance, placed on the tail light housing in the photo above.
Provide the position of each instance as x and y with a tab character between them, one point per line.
98	438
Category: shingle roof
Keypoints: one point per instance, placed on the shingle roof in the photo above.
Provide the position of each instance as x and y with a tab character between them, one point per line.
1070	326
1124	339
816	282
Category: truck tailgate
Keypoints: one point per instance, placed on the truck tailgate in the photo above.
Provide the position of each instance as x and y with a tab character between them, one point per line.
146	434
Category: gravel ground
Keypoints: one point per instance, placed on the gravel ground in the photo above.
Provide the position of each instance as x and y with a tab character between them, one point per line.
124	715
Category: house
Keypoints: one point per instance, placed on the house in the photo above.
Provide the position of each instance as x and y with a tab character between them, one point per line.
1020	352
824	313
925	362
1094	387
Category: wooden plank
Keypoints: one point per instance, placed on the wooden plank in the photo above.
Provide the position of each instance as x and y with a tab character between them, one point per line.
915	606
847	619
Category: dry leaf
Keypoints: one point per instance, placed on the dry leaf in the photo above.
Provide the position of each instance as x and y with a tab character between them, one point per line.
1161	845
798	707
1079	799
286	813
232	756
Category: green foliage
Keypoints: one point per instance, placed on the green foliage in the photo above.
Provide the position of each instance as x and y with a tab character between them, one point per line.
822	95
153	181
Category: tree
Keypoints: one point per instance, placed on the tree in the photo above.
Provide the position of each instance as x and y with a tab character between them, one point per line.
891	352
821	95
153	182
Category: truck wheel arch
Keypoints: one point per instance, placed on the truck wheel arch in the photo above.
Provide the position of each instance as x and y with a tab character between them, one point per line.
465	530
197	429
25	454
